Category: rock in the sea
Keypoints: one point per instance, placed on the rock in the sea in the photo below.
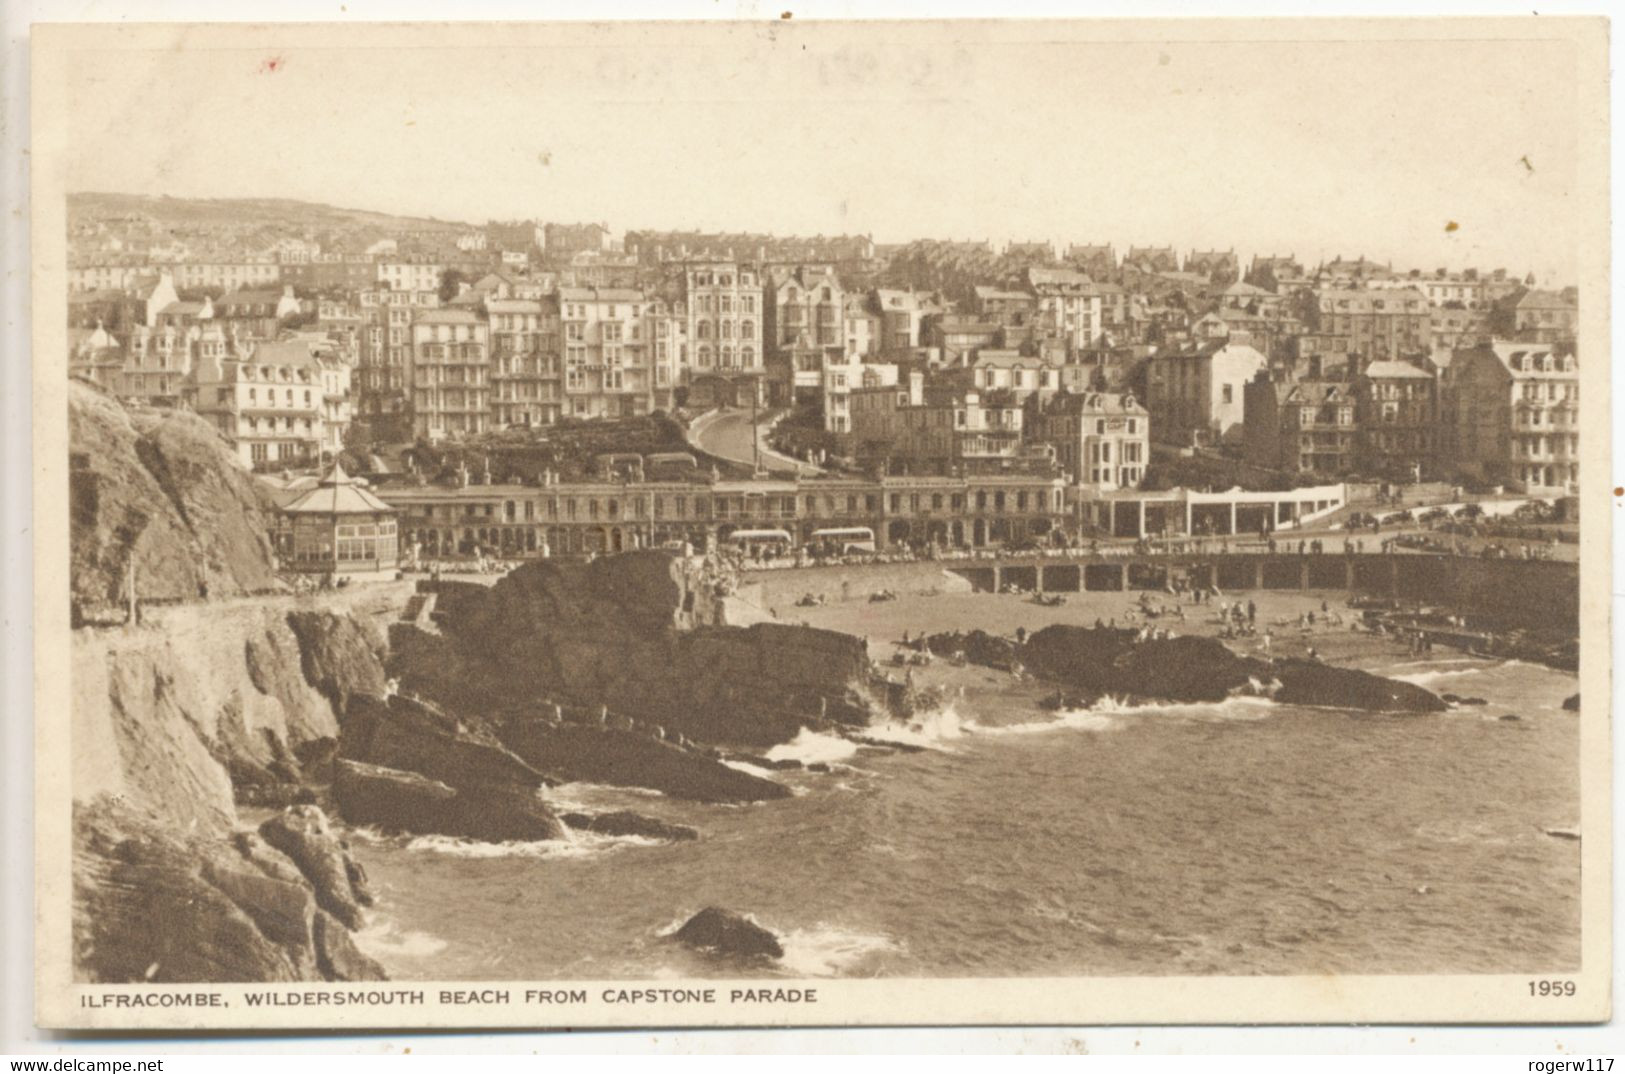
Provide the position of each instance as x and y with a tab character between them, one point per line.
304	835
625	822
1192	669
415	736
397	801
1571	703
727	933
1310	682
571	752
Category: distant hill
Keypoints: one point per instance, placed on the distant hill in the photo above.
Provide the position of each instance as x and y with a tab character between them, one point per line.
252	212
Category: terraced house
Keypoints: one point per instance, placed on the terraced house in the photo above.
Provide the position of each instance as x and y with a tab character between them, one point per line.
1517	412
449	374
604	516
606	340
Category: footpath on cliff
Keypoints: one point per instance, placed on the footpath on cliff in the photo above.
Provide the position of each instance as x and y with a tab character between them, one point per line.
232	692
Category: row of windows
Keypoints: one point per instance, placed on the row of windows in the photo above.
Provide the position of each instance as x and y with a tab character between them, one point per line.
701	507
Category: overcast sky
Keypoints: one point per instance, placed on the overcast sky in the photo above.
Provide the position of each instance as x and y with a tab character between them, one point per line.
929	131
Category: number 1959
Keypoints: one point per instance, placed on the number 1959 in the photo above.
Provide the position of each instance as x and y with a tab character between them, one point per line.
1551	988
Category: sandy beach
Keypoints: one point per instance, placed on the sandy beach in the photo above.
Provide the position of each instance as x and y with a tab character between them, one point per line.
883	623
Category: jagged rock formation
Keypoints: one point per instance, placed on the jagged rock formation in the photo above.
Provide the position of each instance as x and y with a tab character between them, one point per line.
157	902
1191	669
159	490
977	646
625	632
493	796
570	752
625	822
302	833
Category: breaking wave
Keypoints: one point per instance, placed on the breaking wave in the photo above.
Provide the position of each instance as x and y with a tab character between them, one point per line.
812	747
824	951
1063	720
929	730
578	845
568	797
385	940
1428	678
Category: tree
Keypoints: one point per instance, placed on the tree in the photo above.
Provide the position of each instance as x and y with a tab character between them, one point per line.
451	284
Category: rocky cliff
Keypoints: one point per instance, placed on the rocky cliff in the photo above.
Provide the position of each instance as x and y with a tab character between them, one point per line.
629	633
174	724
159	490
159	902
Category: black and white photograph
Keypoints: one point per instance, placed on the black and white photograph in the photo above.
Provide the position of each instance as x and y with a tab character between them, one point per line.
793	522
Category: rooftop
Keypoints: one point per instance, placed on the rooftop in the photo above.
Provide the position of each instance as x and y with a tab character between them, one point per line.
338	494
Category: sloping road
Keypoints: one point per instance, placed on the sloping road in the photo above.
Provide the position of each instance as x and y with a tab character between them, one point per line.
729	434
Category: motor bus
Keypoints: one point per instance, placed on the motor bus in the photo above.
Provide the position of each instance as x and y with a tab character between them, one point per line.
759	542
843	541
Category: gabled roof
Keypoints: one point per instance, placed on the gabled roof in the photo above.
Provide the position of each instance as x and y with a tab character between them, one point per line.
283	352
1096	403
512	305
448	316
1310	392
1393	370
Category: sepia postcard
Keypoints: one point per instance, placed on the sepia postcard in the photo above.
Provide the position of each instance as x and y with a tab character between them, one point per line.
778	522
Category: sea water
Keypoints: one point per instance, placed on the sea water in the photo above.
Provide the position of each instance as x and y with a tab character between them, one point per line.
1242	837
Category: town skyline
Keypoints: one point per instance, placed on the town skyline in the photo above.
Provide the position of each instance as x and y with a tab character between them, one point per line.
915	133
998	243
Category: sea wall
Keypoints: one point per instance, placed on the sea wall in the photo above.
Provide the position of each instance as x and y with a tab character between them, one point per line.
1528	594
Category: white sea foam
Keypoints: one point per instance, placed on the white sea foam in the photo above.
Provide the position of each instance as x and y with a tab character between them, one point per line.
748	768
825	951
1235	707
579	845
1063	720
385	940
930	730
812	747
820	951
1428	678
567	797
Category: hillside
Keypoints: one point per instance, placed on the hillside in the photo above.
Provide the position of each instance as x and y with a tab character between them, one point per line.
252	212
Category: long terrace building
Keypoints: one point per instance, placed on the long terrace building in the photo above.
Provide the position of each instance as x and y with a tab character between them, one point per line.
613	516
